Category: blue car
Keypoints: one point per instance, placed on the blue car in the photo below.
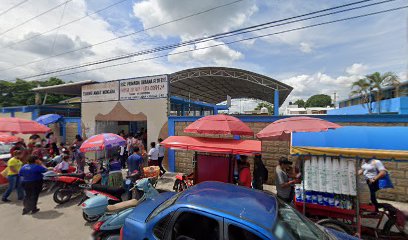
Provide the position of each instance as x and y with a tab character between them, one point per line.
214	210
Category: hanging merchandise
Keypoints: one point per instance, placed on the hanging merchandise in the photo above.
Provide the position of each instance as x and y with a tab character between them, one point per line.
307	177
336	176
314	174
329	174
352	177
322	175
344	176
299	193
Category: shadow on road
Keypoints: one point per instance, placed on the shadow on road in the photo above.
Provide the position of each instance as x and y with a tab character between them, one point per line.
49	214
72	202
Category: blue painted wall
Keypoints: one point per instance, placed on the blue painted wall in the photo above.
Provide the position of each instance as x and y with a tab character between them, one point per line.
393	105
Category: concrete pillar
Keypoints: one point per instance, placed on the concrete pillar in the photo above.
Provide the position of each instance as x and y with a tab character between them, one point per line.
276	103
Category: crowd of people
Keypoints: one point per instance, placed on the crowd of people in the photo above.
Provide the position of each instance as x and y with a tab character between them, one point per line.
30	160
136	153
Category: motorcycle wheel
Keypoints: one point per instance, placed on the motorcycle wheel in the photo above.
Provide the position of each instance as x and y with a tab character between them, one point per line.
111	237
388	226
90	218
61	197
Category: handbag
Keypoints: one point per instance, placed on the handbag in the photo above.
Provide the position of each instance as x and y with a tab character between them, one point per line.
385	182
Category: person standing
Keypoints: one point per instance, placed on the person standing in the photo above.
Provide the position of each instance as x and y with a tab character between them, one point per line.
161	156
373	170
13	167
260	173
79	158
32	180
153	155
134	161
284	187
244	178
78	140
122	157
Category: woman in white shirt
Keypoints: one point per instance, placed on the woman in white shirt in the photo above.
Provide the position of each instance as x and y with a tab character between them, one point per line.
63	166
153	155
373	170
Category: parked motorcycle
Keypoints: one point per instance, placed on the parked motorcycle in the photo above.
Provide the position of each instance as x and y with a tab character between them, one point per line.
107	198
113	216
69	186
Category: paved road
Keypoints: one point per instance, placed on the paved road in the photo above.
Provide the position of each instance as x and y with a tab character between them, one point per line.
61	222
52	222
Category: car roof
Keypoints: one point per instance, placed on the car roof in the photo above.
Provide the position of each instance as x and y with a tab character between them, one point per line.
234	202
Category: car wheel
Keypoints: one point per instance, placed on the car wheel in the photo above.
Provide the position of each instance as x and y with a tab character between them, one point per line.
61	196
335	225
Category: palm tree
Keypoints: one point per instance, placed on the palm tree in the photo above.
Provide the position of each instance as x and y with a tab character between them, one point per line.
377	81
391	79
362	88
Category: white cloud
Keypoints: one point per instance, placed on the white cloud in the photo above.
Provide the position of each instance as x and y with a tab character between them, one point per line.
306	85
356	69
155	12
87	31
305	47
221	55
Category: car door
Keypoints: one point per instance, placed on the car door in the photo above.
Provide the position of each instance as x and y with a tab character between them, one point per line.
237	231
195	224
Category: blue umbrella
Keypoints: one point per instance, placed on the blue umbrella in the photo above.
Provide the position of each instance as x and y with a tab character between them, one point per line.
48	119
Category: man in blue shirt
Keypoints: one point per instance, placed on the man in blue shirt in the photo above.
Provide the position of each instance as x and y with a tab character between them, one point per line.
134	161
32	175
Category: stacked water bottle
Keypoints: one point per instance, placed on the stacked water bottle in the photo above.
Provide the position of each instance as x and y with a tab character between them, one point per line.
328	182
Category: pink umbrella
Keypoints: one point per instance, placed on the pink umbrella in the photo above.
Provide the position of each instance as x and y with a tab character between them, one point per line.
102	141
282	127
17	125
5	138
219	124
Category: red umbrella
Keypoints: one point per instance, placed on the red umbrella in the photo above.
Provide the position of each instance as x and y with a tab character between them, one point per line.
101	142
295	124
17	125
219	124
5	138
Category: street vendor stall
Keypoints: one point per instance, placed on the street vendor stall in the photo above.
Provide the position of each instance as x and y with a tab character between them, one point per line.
332	190
218	165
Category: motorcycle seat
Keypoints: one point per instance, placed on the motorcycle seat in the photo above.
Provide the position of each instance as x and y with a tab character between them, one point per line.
122	205
78	175
115	191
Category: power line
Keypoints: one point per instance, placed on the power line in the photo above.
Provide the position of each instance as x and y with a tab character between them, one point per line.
129	34
65	24
30	19
12	7
235	41
205	39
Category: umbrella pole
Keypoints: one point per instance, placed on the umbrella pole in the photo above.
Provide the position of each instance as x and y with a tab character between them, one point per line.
195	162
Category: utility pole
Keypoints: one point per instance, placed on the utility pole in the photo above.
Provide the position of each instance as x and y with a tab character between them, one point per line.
334	99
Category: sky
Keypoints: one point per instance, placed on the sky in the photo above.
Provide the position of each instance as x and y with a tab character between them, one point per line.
319	60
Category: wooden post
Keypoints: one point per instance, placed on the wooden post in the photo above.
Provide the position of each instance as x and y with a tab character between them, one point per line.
358	219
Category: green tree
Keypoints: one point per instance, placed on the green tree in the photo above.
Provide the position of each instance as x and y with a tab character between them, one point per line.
267	105
19	93
319	100
378	81
300	102
362	88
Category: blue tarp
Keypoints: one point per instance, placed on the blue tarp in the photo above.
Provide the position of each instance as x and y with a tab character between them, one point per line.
376	138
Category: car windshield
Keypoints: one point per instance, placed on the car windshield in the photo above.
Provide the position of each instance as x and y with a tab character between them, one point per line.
163	206
291	224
